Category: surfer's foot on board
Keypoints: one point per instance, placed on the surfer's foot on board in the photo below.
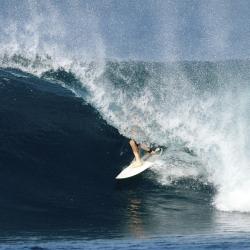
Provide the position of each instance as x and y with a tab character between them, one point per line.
137	164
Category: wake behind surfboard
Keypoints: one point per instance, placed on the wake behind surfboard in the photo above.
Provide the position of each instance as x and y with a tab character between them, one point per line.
131	170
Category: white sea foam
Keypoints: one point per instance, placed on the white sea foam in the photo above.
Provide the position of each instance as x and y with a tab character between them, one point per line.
172	112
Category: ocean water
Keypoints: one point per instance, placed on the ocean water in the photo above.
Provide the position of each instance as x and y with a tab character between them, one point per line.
67	112
60	154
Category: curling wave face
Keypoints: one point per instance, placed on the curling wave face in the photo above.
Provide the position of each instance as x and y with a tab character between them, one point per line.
199	110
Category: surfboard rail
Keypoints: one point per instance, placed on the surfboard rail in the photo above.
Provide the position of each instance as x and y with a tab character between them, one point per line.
132	170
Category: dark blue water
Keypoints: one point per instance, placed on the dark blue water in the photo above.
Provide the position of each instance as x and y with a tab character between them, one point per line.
58	162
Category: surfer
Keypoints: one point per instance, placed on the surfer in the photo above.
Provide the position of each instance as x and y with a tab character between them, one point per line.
136	151
137	132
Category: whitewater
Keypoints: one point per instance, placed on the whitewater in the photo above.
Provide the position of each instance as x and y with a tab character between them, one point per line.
194	106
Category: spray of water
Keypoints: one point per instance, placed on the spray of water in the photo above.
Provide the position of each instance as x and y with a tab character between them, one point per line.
168	105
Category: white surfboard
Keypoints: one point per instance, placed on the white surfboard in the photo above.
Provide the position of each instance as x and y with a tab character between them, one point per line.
131	170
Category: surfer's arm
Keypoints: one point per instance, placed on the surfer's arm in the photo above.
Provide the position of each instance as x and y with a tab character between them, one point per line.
145	147
149	149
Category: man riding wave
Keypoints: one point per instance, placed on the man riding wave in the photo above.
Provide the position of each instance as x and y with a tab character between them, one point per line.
135	132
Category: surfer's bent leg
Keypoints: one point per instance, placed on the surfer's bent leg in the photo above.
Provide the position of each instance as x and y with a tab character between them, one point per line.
136	152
